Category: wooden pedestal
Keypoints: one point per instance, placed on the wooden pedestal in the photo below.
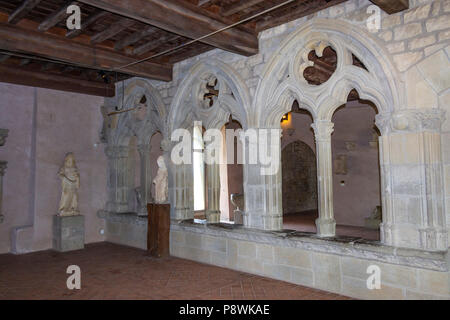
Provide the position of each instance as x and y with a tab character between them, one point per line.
158	244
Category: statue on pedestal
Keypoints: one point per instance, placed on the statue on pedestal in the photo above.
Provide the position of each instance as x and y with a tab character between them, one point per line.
70	183
161	183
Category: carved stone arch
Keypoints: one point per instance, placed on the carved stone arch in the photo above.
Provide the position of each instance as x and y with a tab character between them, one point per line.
235	98
218	119
140	87
155	119
352	78
284	97
346	39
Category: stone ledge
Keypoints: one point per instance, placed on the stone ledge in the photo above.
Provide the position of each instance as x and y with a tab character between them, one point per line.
343	246
128	217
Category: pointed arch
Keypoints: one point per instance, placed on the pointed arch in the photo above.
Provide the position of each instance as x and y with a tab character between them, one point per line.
284	71
233	98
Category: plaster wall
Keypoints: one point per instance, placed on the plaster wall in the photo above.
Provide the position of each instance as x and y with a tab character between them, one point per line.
65	122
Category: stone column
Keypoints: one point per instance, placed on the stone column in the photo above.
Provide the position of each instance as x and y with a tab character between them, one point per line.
213	199
145	178
180	185
262	191
412	180
118	188
326	225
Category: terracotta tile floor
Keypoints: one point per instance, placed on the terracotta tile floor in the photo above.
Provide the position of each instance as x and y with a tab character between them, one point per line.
110	271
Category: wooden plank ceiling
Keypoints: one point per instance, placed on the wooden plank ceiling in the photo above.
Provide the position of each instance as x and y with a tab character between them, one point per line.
37	49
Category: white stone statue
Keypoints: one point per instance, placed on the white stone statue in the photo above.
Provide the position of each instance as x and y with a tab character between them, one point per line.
160	181
70	183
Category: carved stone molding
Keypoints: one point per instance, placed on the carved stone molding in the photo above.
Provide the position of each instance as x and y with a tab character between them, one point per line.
410	121
323	130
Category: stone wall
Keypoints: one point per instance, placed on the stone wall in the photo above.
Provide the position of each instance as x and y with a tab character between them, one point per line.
322	264
415	43
407	78
44	125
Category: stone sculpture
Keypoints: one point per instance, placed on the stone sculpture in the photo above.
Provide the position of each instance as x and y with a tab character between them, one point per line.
237	199
161	182
70	183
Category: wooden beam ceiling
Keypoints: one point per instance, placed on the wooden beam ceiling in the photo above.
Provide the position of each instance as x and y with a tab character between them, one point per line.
185	20
298	10
112	30
86	23
238	6
392	6
22	11
47	45
135	37
53	19
22	76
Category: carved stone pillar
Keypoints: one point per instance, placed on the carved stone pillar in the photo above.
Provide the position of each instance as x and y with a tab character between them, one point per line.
412	179
180	185
213	200
262	186
145	178
326	225
118	188
3	166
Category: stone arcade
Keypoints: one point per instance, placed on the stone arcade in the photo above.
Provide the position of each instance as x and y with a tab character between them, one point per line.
400	71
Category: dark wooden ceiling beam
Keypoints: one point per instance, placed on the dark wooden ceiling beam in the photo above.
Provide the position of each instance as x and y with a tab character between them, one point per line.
238	6
46	45
4	57
183	19
301	11
22	11
135	37
152	45
112	30
392	6
21	76
87	22
206	2
53	19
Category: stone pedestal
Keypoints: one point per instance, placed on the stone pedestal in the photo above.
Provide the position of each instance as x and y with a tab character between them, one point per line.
68	233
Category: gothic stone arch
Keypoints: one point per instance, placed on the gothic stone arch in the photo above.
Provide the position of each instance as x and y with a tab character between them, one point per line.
141	123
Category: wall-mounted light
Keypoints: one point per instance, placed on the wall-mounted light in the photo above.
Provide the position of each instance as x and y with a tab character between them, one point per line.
104	76
285	117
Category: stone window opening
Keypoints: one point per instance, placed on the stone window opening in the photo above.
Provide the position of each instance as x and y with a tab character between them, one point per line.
198	169
231	174
298	168
356	169
322	67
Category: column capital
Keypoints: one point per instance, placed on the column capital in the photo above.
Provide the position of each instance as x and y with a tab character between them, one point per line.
116	151
323	129
410	120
